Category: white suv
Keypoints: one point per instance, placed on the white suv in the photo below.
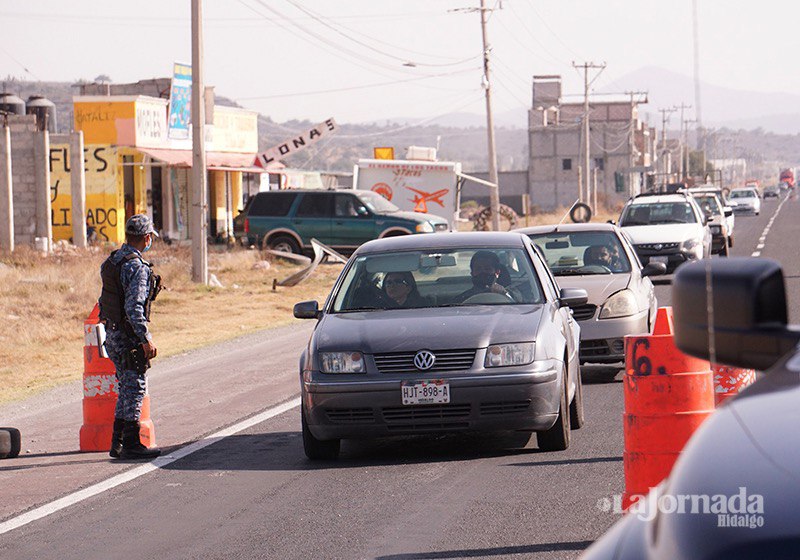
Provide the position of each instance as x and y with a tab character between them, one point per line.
666	228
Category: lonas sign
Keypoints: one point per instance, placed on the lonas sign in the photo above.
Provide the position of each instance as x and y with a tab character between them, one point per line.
297	143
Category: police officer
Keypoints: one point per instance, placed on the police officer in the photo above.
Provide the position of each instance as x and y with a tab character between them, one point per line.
129	287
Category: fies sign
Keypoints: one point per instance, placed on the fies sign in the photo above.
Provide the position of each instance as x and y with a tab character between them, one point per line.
297	143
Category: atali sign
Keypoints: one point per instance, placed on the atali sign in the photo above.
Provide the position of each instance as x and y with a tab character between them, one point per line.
297	143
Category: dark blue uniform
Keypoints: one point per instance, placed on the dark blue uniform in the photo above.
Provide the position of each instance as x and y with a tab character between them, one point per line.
135	279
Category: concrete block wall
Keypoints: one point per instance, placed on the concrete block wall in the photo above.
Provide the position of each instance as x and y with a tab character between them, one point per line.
29	168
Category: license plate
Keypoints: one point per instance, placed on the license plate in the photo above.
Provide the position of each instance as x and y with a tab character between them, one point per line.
663	260
434	391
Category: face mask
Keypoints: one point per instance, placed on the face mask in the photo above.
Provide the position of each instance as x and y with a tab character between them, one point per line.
484	280
149	244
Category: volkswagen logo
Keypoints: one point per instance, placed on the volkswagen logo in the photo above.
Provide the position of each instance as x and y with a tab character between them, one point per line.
424	359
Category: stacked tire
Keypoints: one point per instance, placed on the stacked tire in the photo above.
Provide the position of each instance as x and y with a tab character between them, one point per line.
10	443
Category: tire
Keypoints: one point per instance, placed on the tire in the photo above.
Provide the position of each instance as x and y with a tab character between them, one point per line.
724	251
284	243
5	444
316	449
576	414
557	438
573	213
14	443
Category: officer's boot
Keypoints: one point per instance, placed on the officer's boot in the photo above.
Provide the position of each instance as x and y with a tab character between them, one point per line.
132	447
116	438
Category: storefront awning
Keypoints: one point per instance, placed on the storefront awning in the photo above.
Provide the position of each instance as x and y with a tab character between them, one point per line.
215	161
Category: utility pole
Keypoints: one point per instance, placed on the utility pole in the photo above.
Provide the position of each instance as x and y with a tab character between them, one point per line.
586	66
199	187
682	107
701	133
632	138
686	145
665	113
495	192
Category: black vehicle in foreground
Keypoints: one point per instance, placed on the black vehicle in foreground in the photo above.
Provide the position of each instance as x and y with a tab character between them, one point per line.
735	490
426	334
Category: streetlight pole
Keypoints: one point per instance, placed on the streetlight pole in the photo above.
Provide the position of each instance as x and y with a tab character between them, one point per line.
495	192
199	184
586	66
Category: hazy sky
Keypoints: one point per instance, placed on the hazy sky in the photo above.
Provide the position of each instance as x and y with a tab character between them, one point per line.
260	52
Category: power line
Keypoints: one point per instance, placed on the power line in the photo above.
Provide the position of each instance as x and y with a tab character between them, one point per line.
353	88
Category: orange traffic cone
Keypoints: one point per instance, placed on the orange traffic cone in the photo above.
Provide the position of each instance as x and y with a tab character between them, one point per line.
100	392
728	381
667	396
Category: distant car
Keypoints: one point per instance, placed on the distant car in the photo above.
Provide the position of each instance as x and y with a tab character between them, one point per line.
666	228
734	485
773	191
287	220
622	298
721	236
722	197
426	334
746	199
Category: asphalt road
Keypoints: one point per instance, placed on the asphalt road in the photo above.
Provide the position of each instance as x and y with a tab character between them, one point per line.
254	495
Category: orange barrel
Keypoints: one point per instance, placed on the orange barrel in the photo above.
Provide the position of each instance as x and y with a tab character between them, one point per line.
729	380
668	394
100	392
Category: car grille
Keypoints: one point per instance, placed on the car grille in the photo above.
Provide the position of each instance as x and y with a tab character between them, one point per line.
446	360
599	348
503	408
350	415
422	418
584	312
657	246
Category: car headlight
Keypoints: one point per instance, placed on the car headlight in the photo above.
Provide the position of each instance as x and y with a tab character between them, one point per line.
690	244
424	227
518	354
341	362
621	304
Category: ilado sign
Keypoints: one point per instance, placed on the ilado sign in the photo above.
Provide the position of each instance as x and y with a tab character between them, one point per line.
297	143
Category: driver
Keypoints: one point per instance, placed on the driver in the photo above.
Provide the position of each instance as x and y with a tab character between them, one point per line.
598	255
485	269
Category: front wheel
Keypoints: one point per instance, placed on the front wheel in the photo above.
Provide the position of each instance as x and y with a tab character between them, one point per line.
558	436
576	415
316	449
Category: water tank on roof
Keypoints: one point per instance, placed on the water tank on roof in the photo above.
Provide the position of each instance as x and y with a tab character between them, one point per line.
11	104
45	111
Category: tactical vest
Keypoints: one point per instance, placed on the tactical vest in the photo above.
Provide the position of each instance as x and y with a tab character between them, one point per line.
112	296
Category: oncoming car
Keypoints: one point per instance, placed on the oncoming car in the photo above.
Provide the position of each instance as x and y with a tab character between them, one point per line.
600	259
442	333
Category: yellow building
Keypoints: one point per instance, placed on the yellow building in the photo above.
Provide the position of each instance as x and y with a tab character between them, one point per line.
133	166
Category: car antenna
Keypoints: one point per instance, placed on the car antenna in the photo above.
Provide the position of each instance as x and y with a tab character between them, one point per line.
564	217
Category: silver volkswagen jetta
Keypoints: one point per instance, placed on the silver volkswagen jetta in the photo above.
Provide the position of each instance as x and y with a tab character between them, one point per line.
600	259
441	333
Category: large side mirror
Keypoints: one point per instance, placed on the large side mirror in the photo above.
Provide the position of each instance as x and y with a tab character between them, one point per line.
728	211
572	297
307	310
654	269
748	316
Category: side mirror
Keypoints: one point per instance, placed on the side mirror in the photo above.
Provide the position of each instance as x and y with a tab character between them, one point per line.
572	297
728	211
749	312
612	222
654	269
307	310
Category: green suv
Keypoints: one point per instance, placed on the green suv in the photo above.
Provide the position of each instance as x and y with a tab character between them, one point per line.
287	220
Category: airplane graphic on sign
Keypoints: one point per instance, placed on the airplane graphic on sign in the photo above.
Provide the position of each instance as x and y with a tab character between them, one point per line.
422	198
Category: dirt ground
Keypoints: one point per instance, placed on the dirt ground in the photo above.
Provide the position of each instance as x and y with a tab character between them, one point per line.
45	299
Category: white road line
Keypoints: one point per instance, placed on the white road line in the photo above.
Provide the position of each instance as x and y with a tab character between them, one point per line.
114	481
763	239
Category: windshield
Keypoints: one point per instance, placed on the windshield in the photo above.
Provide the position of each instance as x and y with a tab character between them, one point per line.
579	253
743	194
658	213
709	205
415	279
376	203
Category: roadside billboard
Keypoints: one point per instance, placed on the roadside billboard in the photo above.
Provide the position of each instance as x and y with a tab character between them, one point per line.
417	186
180	102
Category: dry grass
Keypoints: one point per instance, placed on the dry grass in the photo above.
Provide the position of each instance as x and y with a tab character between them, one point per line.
44	301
